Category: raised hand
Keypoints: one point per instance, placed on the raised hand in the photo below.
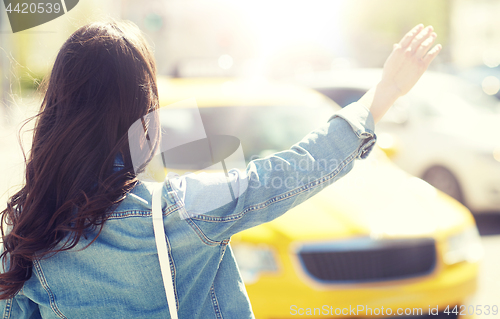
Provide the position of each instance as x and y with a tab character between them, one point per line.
405	65
410	58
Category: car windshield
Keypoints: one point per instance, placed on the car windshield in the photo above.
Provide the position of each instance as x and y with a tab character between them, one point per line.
262	130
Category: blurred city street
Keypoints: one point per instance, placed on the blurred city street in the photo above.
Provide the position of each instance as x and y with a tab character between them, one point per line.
11	159
266	73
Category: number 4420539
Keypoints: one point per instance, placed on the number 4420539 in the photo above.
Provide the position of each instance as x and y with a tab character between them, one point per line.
472	310
34	8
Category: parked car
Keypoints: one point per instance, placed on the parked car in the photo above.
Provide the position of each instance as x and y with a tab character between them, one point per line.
378	238
446	131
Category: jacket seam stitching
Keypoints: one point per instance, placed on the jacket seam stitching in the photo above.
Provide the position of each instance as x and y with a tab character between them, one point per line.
215	303
173	271
43	281
201	234
223	251
8	309
142	213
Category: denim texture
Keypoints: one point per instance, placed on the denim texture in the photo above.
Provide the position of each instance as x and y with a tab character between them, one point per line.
118	276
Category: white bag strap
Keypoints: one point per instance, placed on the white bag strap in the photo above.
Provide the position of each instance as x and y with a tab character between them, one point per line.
161	246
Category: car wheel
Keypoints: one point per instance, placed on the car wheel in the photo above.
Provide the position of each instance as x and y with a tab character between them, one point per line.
445	181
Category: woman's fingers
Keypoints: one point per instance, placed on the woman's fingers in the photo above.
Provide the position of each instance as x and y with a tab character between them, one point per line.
409	59
420	38
408	38
425	45
432	54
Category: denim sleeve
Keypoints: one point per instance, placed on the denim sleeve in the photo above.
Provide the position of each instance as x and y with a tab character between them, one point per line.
220	205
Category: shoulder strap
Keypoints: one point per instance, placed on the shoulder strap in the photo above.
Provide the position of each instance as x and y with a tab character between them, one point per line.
161	246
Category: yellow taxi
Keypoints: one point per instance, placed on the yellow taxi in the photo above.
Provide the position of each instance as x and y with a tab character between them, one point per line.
377	243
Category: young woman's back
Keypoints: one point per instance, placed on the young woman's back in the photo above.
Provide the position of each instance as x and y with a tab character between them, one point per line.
103	80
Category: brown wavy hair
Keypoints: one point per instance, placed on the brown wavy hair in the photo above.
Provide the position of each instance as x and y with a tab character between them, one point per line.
103	80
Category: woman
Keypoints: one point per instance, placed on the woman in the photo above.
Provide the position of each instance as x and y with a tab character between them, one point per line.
78	240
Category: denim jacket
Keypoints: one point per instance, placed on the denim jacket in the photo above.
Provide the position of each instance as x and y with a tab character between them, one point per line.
118	276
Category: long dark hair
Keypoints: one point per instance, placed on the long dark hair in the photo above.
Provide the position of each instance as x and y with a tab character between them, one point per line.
103	80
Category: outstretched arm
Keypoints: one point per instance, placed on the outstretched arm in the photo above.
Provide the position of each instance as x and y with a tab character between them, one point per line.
405	65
